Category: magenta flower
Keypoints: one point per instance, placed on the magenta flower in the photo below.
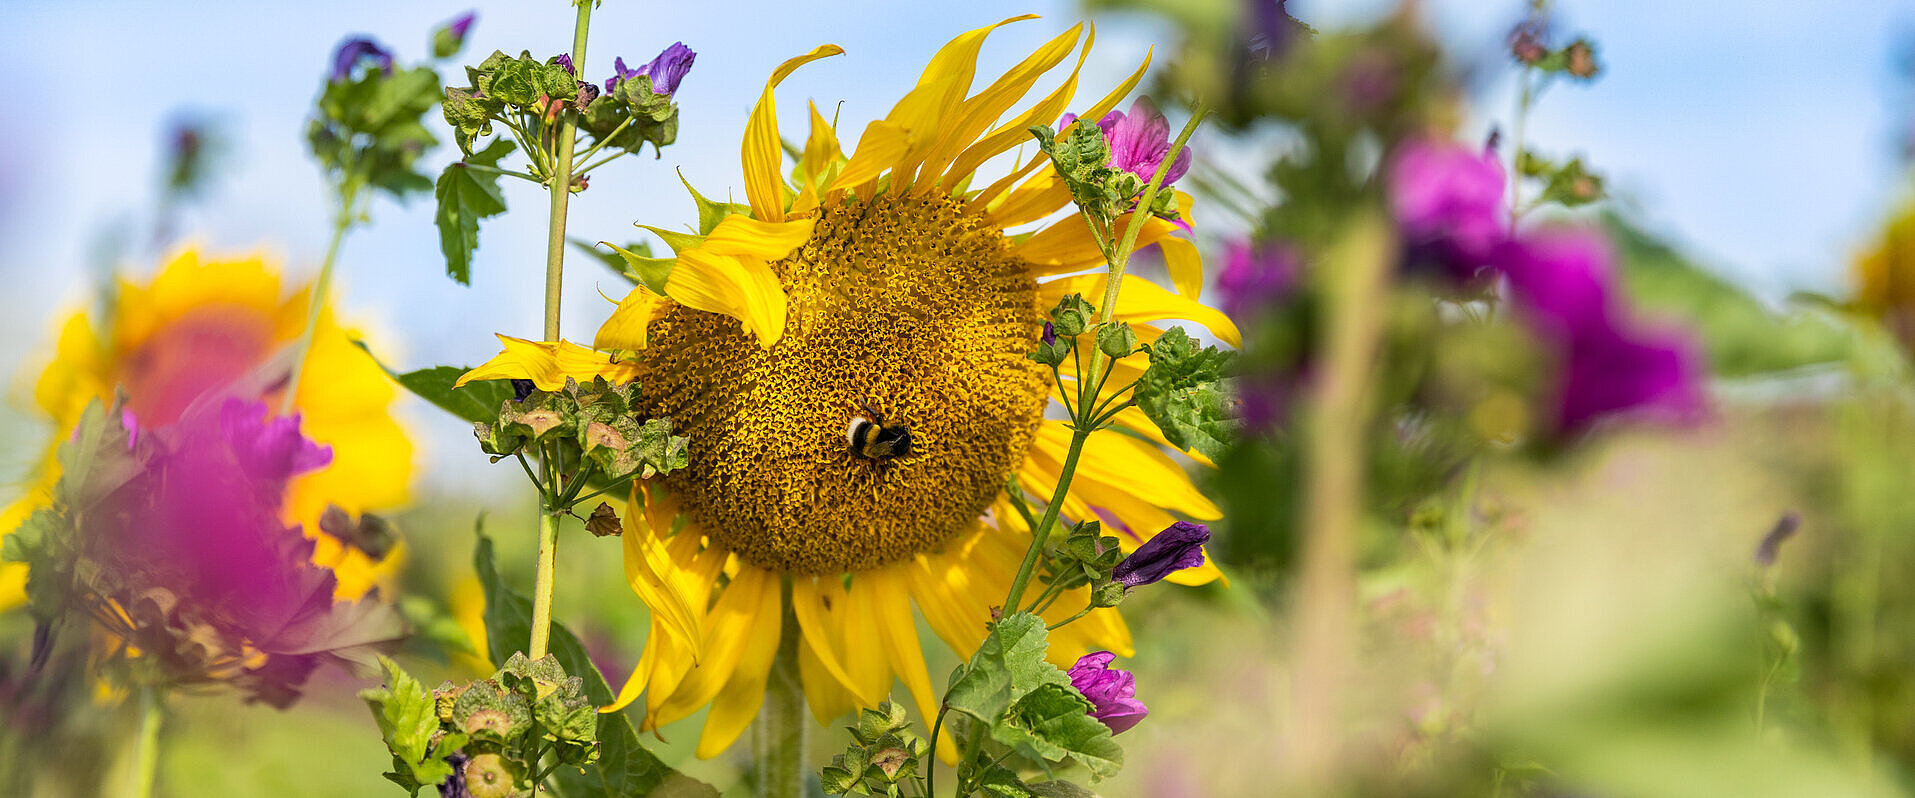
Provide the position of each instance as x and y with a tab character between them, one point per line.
1179	546
666	70
1112	693
1139	141
1257	276
356	50
270	450
1560	282
1448	202
460	24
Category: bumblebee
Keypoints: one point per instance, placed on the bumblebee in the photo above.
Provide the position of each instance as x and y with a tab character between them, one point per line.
873	439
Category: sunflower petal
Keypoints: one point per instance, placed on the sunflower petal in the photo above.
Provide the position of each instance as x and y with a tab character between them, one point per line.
646	560
977	114
900	633
1034	199
1186	267
761	153
1126	465
1141	300
865	659
807	604
880	145
740	287
1017	131
625	328
740	235
735	706
940	89
548	363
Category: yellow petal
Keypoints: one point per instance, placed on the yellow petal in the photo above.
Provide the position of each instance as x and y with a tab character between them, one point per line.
1133	419
1141	300
1186	267
941	88
1127	465
1017	131
744	692
880	145
761	152
743	288
977	114
740	235
625	329
828	694
1035	199
646	563
1116	95
822	153
548	363
1069	246
865	660
899	631
728	632
808	605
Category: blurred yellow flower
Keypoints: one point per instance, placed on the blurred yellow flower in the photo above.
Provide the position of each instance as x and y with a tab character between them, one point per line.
884	283
198	325
1885	277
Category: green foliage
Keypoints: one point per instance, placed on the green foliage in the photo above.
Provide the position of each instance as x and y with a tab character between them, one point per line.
369	130
624	767
1072	315
1085	558
884	754
641	267
474	401
595	423
408	720
1115	339
1183	393
1027	703
1741	335
1569	184
465	196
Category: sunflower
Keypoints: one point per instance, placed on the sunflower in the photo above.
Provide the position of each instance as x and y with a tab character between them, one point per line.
199	325
883	282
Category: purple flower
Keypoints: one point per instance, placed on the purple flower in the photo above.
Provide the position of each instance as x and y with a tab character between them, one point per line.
460	24
565	60
1448	201
1112	693
1179	546
1273	29
1559	281
1255	277
1050	334
1138	141
354	51
270	450
665	71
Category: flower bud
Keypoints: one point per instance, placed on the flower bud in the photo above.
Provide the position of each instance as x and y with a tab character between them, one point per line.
1179	546
1112	693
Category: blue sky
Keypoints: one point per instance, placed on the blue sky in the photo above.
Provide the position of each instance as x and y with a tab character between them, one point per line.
1757	134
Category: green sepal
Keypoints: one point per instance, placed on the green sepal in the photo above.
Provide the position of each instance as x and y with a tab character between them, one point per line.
1072	315
1115	339
1183	392
652	272
466	196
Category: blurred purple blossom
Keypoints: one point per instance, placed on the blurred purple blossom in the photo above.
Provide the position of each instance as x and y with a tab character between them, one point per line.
1560	282
665	71
1178	546
1448	202
460	24
355	50
1112	693
270	449
1257	276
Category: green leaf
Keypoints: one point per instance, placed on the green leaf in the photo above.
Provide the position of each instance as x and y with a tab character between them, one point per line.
612	260
624	766
476	401
1183	393
1054	722
1009	665
408	718
466	196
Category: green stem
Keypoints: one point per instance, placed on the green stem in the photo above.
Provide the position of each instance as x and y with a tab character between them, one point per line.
497	171
318	300
542	588
600	144
779	738
1080	613
148	752
561	189
1043	528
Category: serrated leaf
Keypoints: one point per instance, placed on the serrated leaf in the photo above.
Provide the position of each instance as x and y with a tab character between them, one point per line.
1053	721
1183	393
465	196
1006	667
408	718
624	766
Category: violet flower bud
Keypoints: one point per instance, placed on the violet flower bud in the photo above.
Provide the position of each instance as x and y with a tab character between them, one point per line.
565	60
1050	334
1179	546
449	38
354	50
1111	692
665	71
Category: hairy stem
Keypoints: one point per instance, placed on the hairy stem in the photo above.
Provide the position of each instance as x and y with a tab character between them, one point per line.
561	189
779	739
320	288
